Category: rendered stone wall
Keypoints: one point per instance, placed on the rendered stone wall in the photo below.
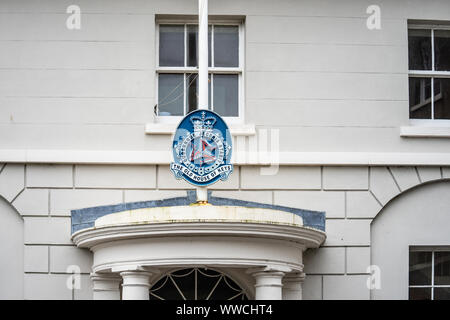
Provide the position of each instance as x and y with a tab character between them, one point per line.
351	197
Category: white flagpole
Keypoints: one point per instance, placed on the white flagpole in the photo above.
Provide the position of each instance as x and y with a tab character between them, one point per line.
202	192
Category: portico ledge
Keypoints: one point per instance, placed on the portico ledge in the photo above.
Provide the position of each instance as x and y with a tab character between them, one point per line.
199	220
176	233
210	235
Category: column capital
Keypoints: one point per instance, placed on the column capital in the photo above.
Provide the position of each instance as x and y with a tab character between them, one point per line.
269	269
134	268
136	284
292	286
294	277
106	286
268	281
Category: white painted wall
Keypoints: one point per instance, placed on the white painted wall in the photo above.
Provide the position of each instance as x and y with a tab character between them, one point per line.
418	217
11	252
313	70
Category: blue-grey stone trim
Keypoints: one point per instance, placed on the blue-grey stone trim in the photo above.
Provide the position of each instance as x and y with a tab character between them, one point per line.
85	218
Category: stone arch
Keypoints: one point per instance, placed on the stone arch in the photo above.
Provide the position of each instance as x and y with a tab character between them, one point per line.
235	275
389	183
12	182
11	252
420	216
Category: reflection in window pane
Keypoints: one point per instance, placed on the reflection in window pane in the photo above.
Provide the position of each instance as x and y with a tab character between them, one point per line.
441	294
442	268
191	91
420	98
419	293
419	49
226	46
192	44
226	94
170	94
192	33
442	50
419	268
171	45
441	98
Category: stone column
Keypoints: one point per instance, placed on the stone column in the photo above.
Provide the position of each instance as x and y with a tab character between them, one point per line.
268	284
292	286
106	286
135	285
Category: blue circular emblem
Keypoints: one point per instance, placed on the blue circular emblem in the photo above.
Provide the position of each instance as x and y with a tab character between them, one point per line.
202	149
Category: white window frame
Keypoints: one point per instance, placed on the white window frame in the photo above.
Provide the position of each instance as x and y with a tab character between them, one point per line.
432	285
211	70
429	74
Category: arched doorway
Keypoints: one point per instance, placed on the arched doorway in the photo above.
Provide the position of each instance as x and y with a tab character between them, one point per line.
196	284
418	219
11	252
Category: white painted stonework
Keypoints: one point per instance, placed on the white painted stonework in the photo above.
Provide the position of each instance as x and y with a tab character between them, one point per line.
267	244
78	130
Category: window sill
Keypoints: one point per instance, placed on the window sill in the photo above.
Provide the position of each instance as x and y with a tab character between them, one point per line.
169	128
425	132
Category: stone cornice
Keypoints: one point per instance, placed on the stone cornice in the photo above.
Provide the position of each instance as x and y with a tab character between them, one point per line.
307	237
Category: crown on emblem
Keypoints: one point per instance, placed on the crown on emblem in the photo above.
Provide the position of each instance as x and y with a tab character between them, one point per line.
204	123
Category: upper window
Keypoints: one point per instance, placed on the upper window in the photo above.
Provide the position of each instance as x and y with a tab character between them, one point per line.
429	73
177	70
429	274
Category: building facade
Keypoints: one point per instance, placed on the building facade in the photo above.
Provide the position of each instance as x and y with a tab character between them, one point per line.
338	110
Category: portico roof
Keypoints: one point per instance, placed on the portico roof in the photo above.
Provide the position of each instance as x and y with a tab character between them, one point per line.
85	218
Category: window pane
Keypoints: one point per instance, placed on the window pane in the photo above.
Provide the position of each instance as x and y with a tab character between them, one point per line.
191	91
226	94
442	50
171	45
419	293
192	36
419	268
442	268
170	94
420	98
441	294
441	98
192	45
226	46
419	49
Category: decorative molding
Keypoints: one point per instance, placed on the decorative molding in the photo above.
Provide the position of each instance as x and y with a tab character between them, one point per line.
308	237
425	132
135	157
169	129
200	262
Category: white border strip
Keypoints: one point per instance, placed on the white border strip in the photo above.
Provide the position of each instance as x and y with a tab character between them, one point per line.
165	157
425	132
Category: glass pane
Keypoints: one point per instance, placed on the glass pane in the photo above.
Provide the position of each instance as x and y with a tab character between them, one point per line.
419	293
226	94
192	45
441	98
442	268
420	98
192	33
226	46
171	45
170	94
441	294
419	49
442	50
186	283
209	46
191	91
419	268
